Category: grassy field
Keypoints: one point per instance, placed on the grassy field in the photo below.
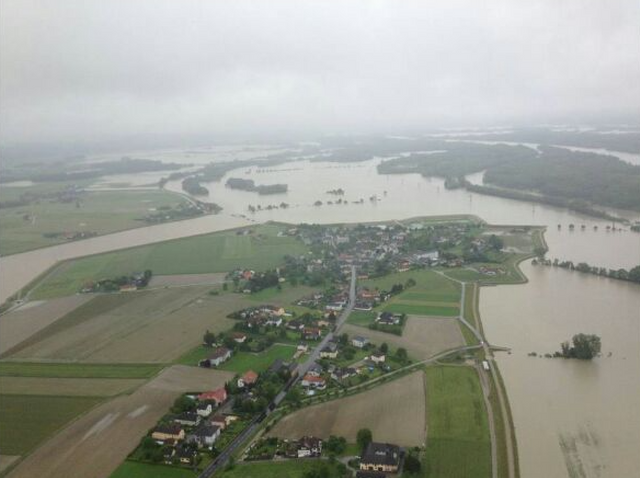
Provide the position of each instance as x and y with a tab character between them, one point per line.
459	444
400	307
69	387
243	361
217	252
27	420
100	212
132	469
78	370
287	469
361	318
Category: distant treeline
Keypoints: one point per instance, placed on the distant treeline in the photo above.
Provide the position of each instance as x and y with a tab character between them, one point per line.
192	186
631	275
250	185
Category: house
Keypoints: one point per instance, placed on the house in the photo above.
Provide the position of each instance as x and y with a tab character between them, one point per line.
378	357
219	420
204	409
274	321
309	446
334	307
239	337
273	310
168	454
380	457
219	355
311	333
311	381
315	370
302	348
387	318
330	351
188	419
341	374
171	431
359	342
295	324
218	396
204	436
370	474
248	379
186	454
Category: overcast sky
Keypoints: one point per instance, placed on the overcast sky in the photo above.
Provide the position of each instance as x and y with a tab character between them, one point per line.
95	70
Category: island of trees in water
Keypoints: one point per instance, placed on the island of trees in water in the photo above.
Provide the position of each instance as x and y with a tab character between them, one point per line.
250	185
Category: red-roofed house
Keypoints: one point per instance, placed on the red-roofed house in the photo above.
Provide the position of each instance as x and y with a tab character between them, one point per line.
218	396
248	379
311	381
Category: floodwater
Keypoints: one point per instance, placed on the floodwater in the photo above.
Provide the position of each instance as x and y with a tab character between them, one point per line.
569	415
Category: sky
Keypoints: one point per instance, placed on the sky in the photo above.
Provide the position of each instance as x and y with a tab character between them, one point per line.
90	70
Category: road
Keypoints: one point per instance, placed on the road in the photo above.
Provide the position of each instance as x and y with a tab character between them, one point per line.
253	426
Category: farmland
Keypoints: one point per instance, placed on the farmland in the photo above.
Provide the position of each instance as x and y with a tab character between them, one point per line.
81	387
458	444
131	469
423	337
158	326
22	228
77	370
243	361
27	420
286	469
99	441
217	252
395	412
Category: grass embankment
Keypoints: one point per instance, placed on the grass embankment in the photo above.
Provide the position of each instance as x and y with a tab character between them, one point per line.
459	445
77	370
242	361
132	469
22	228
27	420
217	252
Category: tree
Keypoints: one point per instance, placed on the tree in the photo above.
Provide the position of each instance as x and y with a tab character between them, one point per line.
585	347
209	338
401	353
336	445
363	438
384	348
634	274
496	243
344	339
412	464
183	404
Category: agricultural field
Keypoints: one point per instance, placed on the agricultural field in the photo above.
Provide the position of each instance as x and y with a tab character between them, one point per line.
151	326
285	469
28	420
80	387
395	413
98	442
77	370
30	318
180	280
423	337
433	294
459	445
132	469
210	253
22	228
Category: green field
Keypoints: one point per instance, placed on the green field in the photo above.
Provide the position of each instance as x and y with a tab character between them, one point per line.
361	317
27	420
132	469
217	252
459	445
400	307
100	212
243	361
77	370
286	469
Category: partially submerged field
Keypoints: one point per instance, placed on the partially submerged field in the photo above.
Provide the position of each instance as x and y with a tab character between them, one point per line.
395	413
22	228
423	337
151	326
210	253
458	444
432	294
94	445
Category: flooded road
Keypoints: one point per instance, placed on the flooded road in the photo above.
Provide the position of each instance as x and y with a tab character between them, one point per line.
569	415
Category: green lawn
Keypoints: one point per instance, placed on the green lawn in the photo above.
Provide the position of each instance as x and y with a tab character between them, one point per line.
286	469
399	307
458	444
77	370
27	420
243	361
100	212
361	317
217	252
132	469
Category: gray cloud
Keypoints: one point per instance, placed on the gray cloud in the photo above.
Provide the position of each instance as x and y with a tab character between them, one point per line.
87	69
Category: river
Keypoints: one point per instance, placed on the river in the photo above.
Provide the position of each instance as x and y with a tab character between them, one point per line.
568	414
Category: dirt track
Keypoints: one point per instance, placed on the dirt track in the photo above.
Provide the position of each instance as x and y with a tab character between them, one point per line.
94	445
395	412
